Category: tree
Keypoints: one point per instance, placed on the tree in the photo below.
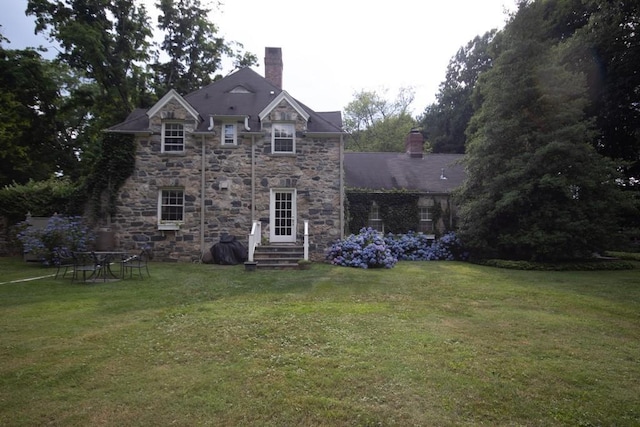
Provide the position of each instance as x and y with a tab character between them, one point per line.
107	40
607	50
376	124
535	187
444	122
32	144
192	46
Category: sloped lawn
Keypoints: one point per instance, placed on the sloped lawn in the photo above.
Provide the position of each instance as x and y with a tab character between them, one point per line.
425	344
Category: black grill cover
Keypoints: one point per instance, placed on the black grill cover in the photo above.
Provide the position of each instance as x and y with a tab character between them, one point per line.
229	251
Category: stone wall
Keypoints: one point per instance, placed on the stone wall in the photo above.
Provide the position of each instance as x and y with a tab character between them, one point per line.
314	171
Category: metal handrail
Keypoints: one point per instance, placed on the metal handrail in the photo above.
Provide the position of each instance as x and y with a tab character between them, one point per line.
306	240
255	239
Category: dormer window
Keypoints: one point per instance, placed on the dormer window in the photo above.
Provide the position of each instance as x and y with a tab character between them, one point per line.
230	134
172	137
283	138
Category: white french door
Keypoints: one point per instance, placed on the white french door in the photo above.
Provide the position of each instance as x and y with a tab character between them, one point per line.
282	227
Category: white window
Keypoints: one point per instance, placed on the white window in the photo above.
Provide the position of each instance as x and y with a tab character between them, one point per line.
171	206
172	137
230	134
426	219
375	220
283	138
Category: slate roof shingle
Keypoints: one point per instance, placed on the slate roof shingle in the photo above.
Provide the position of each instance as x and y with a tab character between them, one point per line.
241	93
394	171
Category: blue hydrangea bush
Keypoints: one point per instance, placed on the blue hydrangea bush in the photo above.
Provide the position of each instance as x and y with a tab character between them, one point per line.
62	234
417	247
367	249
370	249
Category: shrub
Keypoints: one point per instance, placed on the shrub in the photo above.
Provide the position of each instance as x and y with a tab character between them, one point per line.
366	249
584	265
416	247
369	249
60	234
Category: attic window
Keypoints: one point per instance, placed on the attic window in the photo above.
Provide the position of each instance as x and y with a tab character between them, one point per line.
172	137
283	138
240	89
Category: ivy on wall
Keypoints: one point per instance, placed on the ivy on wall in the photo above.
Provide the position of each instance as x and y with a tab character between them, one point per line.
398	209
116	163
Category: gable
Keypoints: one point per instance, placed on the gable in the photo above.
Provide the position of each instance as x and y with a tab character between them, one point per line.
172	95
277	100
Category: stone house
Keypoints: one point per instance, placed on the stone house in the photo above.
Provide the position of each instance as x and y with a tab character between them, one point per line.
398	192
240	156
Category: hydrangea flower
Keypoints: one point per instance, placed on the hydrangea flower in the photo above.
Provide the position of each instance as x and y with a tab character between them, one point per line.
61	234
369	249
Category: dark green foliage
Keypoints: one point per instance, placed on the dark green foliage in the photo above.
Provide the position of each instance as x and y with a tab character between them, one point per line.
585	265
106	40
41	198
536	189
193	47
32	137
444	122
399	210
607	50
116	163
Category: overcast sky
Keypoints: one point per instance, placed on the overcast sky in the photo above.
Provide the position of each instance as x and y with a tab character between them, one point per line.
333	48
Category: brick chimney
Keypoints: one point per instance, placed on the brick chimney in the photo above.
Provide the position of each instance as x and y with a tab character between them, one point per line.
273	65
414	144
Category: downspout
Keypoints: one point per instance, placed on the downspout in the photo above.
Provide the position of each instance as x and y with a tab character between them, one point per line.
253	179
450	206
341	187
202	185
202	195
253	170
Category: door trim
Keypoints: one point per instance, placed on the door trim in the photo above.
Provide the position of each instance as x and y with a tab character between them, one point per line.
276	234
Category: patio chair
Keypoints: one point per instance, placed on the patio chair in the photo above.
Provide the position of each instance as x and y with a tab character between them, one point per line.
137	262
64	261
86	263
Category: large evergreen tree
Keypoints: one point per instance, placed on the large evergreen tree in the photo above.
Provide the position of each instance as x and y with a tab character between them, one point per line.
536	189
444	122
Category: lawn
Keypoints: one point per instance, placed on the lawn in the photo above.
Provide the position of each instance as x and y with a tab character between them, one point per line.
422	344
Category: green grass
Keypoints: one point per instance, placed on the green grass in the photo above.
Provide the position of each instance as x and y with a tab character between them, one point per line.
424	344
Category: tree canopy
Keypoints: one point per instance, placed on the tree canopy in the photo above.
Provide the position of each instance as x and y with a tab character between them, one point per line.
444	122
33	141
377	124
192	46
536	188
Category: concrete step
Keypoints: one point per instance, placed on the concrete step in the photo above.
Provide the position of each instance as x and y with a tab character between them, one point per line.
278	256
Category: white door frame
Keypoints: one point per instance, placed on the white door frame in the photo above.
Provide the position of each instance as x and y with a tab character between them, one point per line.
283	220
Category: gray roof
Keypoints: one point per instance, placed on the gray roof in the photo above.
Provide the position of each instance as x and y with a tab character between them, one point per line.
241	93
394	171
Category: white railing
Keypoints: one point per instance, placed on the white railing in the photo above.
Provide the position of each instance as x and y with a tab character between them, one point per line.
255	238
306	240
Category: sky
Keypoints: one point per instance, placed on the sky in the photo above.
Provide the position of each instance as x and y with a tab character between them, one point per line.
332	49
